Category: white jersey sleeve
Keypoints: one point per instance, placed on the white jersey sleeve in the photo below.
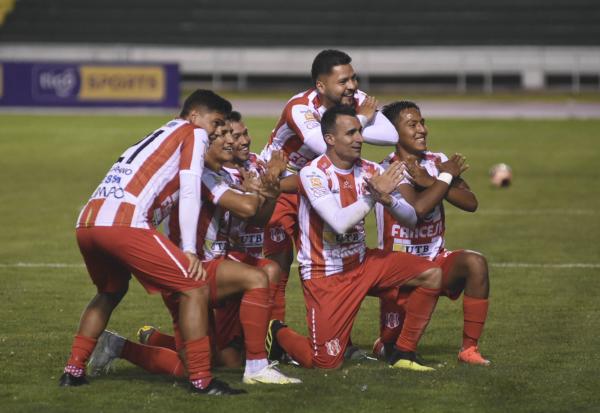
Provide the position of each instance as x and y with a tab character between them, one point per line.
380	131
315	185
308	128
402	211
215	184
190	202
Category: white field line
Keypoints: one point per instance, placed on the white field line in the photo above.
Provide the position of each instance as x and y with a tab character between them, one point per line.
529	212
493	264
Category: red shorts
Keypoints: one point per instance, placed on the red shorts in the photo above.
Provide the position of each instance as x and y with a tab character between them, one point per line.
225	325
445	260
112	254
333	302
392	301
282	228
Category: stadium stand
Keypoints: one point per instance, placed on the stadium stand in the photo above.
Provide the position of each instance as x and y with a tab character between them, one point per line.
307	23
455	44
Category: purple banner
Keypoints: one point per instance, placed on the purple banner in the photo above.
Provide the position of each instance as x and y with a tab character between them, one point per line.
89	84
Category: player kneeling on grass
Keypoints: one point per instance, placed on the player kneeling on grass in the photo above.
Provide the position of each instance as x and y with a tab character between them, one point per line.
462	270
229	275
117	237
337	190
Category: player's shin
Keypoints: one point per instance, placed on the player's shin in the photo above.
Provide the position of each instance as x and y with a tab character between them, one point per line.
255	311
278	311
419	307
197	353
157	360
475	313
81	350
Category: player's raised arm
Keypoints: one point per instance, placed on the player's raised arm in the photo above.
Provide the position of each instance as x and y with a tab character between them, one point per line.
459	194
306	125
377	129
383	190
313	184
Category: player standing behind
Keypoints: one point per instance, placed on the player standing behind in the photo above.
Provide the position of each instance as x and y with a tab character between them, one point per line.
117	236
463	270
337	190
298	134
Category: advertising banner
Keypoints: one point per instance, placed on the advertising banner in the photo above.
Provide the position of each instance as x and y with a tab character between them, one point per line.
89	84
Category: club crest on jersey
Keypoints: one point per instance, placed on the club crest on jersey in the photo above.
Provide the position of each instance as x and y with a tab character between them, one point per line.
333	347
277	234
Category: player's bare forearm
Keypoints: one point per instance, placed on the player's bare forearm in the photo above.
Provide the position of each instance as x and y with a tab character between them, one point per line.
264	213
289	184
461	196
423	202
243	206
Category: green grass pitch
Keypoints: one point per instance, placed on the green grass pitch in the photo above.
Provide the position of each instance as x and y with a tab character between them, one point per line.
542	333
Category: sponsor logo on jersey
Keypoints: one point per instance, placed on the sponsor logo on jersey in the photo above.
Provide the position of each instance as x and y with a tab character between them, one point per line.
297	159
312	124
251	240
333	347
346	238
109	192
215	247
316	187
422	232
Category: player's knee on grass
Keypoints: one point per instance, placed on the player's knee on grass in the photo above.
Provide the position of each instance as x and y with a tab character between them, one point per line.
273	271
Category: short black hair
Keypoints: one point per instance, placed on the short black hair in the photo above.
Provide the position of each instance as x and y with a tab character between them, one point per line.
207	99
234	116
330	116
326	60
392	110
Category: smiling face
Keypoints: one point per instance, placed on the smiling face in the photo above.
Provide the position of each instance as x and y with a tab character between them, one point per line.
220	149
345	141
338	86
241	141
412	131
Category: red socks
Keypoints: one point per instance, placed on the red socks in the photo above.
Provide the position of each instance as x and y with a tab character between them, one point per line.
419	307
159	339
255	311
197	353
391	315
278	311
475	312
297	346
158	360
81	349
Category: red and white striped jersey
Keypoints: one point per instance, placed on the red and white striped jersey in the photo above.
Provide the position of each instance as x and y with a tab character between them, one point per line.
301	118
143	185
427	238
243	236
213	225
321	251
